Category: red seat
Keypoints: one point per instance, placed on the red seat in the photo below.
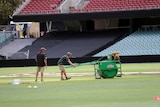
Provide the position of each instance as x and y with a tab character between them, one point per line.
40	6
121	4
93	5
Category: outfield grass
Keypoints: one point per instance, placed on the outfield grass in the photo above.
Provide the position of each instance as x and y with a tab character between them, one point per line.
85	91
128	91
134	67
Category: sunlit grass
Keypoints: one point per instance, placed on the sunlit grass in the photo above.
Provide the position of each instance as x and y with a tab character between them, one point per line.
127	91
134	67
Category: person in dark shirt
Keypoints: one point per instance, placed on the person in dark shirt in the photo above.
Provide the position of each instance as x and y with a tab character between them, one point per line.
41	62
62	61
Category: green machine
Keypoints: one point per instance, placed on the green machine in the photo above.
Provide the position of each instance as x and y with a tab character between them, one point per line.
108	68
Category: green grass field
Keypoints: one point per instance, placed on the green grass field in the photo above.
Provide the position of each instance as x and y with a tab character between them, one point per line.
81	91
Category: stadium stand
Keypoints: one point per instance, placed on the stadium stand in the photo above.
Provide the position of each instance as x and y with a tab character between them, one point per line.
41	7
5	38
138	43
50	6
118	5
79	43
14	46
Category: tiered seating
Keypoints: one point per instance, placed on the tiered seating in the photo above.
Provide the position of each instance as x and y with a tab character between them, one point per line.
49	6
138	43
119	5
41	7
5	38
79	43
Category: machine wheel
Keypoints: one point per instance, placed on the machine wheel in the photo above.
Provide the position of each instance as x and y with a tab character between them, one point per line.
109	73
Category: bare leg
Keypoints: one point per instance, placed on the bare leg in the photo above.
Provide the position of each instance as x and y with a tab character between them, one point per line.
61	74
36	76
41	76
64	72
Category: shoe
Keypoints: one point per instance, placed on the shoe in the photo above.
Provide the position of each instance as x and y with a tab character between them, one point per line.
35	80
68	78
42	80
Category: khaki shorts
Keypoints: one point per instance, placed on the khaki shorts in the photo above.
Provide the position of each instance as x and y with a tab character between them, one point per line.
40	69
61	67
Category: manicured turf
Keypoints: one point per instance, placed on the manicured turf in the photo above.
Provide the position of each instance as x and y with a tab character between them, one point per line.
85	91
127	91
136	67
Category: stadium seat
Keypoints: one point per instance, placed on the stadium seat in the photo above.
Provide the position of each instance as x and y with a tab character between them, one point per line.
5	38
45	6
138	43
41	7
118	5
